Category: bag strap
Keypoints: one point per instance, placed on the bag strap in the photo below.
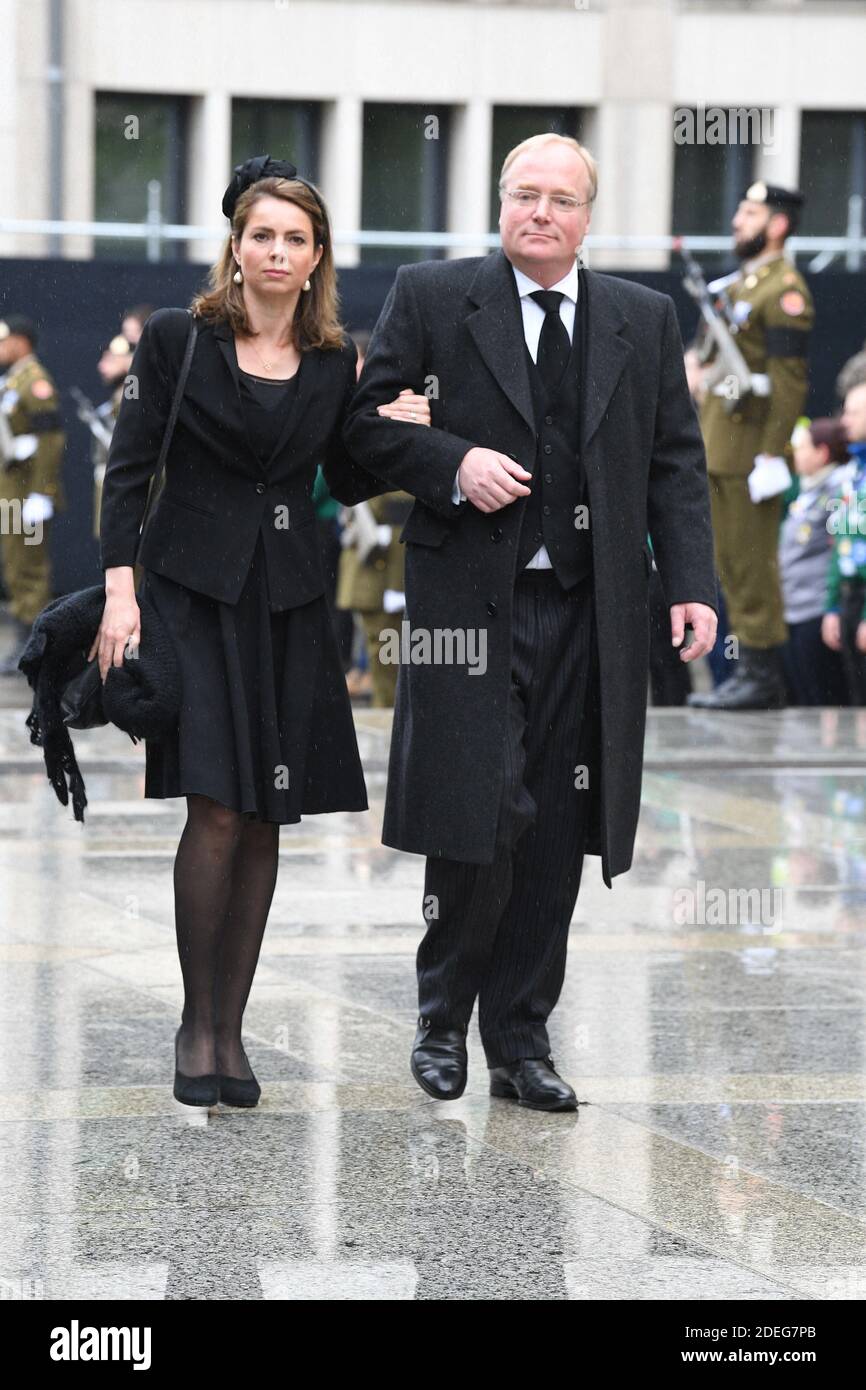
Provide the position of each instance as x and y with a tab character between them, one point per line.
170	424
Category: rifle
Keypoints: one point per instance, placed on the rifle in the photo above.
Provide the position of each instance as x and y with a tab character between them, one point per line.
730	371
88	416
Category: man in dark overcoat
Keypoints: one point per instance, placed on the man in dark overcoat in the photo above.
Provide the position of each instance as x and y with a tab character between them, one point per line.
562	433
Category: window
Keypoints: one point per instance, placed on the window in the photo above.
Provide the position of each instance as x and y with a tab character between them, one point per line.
282	129
141	164
708	182
832	171
405	167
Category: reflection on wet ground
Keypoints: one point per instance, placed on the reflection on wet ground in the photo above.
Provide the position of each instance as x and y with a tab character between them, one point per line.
712	1022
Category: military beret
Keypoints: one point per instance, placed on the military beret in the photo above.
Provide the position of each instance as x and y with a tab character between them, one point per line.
773	193
17	323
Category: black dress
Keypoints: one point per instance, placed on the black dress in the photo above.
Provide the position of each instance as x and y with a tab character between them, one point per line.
265	718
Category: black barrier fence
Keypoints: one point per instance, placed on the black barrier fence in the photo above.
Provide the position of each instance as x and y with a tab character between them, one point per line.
77	306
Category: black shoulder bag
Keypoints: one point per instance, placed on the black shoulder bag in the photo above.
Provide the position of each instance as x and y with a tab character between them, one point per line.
81	700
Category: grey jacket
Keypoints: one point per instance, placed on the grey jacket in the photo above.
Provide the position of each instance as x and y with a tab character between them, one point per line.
805	546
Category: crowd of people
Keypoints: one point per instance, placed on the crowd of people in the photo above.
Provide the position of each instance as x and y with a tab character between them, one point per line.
820	556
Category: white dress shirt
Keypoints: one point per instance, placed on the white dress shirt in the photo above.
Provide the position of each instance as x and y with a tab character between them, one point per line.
533	322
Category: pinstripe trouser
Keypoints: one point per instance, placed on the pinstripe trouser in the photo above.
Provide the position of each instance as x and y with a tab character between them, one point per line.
501	933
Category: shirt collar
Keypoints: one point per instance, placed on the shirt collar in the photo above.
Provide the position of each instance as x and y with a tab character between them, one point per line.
567	285
764	258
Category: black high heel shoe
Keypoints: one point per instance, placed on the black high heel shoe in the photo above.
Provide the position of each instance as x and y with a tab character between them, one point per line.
237	1090
195	1090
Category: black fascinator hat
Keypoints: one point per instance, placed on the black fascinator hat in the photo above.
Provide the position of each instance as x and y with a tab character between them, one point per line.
263	167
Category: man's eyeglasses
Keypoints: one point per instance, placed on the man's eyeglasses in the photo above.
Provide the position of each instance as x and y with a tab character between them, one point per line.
529	197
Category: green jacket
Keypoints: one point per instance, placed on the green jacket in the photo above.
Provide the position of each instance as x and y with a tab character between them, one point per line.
848	526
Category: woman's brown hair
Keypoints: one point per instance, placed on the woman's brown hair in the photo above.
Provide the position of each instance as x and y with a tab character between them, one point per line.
317	323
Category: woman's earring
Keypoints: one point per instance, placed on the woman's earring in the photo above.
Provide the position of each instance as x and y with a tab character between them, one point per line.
306	284
238	276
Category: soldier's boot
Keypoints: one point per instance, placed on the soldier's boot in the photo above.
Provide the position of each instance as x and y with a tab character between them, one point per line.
709	699
761	684
21	636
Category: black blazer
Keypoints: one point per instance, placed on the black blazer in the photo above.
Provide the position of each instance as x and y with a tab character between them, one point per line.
217	495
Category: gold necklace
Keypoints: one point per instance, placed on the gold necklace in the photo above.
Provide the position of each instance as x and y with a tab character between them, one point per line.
268	366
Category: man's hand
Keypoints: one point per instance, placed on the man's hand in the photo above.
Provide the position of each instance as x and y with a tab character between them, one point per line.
860	639
704	622
491	480
831	631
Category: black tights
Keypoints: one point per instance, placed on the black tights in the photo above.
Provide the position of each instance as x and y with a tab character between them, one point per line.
225	872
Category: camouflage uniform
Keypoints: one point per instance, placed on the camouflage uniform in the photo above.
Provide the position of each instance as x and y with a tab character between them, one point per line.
361	588
29	401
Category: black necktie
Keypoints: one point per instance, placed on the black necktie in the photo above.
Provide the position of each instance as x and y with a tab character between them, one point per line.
554	345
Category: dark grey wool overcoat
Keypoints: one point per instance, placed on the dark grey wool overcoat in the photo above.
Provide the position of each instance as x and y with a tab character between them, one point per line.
453	329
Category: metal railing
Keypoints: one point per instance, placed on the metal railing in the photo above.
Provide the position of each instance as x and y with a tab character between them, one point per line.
824	249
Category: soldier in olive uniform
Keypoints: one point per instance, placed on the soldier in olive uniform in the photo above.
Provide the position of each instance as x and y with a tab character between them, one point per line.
113	366
748	446
367	586
31	488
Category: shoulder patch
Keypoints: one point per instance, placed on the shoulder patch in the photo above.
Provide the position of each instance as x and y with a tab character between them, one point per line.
792	302
42	389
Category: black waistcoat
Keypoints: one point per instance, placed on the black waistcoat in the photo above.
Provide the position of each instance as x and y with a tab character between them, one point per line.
558	479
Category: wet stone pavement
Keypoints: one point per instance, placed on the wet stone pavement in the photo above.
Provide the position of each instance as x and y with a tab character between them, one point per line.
712	1023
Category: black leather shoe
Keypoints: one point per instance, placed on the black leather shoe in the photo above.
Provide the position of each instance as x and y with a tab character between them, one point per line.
195	1090
532	1082
758	683
709	699
439	1060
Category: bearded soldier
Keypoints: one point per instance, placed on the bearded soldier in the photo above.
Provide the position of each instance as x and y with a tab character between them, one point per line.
747	437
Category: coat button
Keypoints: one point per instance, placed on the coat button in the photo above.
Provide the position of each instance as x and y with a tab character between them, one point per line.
548	477
546	511
491	609
260	487
548	419
548	448
496	534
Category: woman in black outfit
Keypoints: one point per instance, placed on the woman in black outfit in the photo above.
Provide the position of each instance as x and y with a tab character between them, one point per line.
232	564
